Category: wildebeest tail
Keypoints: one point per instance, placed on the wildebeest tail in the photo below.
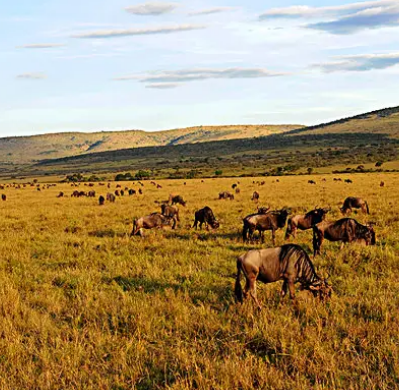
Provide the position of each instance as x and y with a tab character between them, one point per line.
237	288
316	240
245	231
367	207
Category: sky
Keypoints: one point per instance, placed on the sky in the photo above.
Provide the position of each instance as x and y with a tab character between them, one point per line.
94	65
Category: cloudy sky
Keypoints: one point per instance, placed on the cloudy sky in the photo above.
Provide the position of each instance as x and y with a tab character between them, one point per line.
126	64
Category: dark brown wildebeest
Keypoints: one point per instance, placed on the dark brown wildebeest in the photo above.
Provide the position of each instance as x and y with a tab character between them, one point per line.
118	186
354	203
226	195
171	212
110	197
337	179
311	182
3	197
101	200
109	185
263	210
348	181
234	186
176	199
132	192
306	221
273	221
159	186
117	193
60	195
122	193
155	220
289	263
206	216
140	191
344	230
255	196
237	190
382	184
91	194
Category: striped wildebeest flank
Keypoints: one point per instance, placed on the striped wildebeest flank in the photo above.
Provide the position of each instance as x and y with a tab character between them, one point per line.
272	220
352	202
154	220
305	221
346	230
289	263
205	216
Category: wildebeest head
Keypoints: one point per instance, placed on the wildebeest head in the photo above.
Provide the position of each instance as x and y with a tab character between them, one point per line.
263	210
320	289
215	224
370	234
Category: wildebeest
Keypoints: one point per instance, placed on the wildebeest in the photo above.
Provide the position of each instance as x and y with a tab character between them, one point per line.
237	190
352	202
111	197
382	184
273	221
348	181
255	196
91	194
205	215
101	200
311	182
60	195
344	230
117	193
132	192
176	199
289	263
226	195
171	212
3	197
155	220
140	191
234	186
305	221
159	186
122	193
263	210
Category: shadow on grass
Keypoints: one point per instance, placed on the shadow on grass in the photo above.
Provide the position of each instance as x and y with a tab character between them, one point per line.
107	233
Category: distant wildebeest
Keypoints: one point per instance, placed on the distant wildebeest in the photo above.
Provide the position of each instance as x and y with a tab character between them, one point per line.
111	197
159	186
117	193
109	185
155	220
311	182
344	230
226	195
306	221
234	186
255	196
289	263
337	179
60	195
237	190
171	212
3	197
348	181
352	202
382	184
140	191
273	221
122	193
205	215
324	179
132	192
176	199
101	200
91	194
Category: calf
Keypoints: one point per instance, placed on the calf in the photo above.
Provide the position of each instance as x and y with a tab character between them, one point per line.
206	216
289	263
344	230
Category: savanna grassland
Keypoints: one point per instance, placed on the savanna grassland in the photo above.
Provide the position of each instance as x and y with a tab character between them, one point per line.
83	306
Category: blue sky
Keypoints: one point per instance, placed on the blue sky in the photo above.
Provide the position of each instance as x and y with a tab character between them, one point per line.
125	64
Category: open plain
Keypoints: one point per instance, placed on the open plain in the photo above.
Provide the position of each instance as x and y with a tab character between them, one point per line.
85	306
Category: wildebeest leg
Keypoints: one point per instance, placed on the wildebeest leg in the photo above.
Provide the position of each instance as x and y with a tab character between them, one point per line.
274	237
246	288
284	288
252	291
195	224
291	288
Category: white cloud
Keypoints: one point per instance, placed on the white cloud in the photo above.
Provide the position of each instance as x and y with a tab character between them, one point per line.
153	8
210	11
31	76
163	85
41	46
133	32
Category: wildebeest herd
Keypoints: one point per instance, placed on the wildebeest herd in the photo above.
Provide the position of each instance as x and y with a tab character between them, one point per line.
289	262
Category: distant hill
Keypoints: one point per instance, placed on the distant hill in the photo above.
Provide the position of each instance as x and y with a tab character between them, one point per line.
19	150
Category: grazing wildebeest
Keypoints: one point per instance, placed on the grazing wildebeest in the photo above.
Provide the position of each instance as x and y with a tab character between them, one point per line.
3	197
111	197
91	194
255	196
337	179
206	216
155	220
234	186
273	221
101	200
132	192
289	263
159	186
344	230
176	199
60	195
122	193
348	181
140	191
171	212
226	195
117	193
237	190
311	182
354	203
382	184
118	186
306	221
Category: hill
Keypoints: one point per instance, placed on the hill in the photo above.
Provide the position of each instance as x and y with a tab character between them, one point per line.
59	145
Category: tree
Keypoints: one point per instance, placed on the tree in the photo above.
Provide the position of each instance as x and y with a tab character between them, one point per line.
218	172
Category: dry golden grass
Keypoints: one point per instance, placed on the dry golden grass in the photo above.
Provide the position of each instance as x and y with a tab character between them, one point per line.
96	310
